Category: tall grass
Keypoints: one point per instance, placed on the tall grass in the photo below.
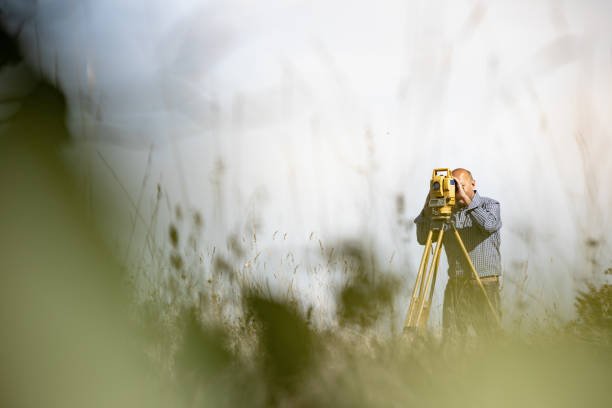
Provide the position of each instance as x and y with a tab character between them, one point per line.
223	336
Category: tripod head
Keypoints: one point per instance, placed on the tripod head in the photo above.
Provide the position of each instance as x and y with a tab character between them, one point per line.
439	222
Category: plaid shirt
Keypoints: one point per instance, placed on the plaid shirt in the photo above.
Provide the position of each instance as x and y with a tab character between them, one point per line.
478	225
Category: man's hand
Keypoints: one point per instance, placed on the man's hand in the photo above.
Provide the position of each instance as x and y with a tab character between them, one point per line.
460	193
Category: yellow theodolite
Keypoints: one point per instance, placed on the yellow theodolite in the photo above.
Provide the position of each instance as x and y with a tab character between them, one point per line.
441	193
441	203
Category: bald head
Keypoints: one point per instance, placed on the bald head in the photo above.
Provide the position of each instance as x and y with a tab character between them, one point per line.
460	171
464	178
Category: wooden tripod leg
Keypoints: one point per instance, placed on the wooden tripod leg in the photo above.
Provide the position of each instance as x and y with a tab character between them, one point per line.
433	283
422	316
418	285
469	261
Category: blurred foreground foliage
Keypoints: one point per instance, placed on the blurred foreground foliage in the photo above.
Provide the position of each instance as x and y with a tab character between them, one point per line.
275	358
69	341
594	309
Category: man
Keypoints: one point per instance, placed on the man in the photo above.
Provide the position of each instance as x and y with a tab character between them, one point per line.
478	222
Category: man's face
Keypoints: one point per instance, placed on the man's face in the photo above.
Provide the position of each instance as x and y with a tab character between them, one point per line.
467	183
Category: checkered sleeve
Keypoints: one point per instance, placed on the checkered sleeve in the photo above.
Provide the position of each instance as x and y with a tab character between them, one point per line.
486	213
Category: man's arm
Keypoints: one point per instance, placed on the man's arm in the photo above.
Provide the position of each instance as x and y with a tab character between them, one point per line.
422	228
423	223
486	215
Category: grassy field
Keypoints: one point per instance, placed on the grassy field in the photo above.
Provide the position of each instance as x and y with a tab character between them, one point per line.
271	354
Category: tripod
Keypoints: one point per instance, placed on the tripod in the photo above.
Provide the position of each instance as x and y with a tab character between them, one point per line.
422	294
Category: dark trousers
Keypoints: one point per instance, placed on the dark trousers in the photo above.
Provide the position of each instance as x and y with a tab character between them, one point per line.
465	305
